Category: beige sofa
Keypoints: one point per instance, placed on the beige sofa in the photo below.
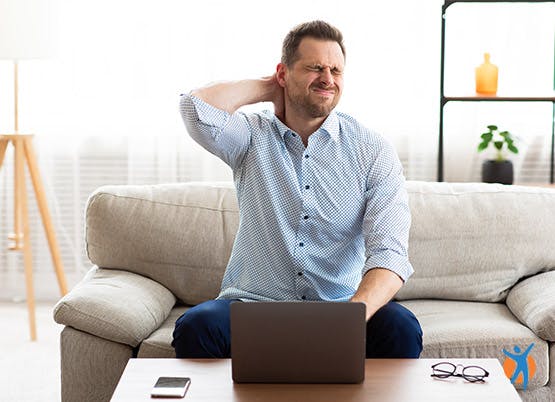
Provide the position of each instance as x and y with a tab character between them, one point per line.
483	255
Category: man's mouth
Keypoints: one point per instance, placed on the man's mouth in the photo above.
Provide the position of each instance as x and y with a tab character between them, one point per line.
324	92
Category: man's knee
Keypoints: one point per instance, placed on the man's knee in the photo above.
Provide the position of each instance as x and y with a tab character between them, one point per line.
398	318
399	329
195	319
203	331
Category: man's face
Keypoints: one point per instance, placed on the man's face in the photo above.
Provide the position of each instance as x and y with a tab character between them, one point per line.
314	83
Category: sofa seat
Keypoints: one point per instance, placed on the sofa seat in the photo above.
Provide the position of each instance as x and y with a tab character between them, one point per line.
158	344
474	329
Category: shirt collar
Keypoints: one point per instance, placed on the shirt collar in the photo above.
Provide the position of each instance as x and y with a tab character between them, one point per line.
282	128
330	125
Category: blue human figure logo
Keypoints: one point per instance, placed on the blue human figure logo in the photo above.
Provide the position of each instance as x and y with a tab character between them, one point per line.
521	364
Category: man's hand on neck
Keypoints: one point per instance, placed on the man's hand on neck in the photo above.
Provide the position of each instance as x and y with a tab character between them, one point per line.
231	95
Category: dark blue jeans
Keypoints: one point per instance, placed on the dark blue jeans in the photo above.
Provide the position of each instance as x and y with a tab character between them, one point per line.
204	332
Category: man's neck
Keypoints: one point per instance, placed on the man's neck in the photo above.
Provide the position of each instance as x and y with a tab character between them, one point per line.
302	125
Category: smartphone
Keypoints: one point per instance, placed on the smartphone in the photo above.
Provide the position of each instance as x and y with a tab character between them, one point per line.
170	387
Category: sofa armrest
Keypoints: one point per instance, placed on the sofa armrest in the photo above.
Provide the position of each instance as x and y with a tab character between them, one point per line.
532	301
116	305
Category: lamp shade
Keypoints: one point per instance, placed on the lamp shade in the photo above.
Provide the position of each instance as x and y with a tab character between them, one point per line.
25	29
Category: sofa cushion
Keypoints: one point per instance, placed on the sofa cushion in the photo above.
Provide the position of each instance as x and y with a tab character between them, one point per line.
471	329
180	235
533	303
474	241
116	305
158	344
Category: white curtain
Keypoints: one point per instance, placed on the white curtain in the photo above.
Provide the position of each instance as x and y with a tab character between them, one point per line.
105	108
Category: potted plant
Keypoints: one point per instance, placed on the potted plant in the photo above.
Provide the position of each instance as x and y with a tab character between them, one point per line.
500	169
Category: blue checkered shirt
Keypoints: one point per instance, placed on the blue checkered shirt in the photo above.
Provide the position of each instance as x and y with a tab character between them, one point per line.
312	220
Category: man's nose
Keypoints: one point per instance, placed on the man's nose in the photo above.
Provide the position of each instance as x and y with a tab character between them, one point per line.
326	77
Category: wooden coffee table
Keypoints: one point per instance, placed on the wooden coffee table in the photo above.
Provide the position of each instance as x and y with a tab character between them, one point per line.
392	380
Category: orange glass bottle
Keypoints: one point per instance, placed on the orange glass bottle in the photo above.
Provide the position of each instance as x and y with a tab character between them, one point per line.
486	77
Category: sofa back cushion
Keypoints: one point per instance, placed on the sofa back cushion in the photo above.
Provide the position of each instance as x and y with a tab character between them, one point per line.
468	241
179	235
474	241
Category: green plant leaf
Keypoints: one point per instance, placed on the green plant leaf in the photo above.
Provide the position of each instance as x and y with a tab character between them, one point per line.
499	139
487	137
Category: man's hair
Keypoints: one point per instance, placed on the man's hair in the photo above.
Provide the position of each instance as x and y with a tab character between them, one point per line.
313	29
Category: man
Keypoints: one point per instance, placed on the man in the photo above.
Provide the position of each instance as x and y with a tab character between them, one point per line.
323	209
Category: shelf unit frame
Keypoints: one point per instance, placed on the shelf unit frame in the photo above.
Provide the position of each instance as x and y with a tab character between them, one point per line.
478	98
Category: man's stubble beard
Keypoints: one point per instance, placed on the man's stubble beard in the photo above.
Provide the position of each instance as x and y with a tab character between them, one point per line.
304	104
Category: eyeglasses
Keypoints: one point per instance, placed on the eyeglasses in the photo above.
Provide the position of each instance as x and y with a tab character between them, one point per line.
469	373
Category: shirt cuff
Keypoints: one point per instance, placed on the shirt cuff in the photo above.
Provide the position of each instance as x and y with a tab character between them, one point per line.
206	113
390	260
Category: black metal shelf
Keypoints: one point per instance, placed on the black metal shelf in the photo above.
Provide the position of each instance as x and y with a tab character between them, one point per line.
481	98
447	3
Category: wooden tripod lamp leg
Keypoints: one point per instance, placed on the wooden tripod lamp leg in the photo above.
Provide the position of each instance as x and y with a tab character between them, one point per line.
16	236
3	146
45	214
27	257
19	180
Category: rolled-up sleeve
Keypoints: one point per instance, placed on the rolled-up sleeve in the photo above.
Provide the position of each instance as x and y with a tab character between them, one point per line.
225	135
387	217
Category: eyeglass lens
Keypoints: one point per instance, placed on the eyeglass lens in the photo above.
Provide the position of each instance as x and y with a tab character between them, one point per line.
474	373
444	370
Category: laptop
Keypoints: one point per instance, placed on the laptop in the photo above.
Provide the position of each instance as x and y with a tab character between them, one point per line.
298	342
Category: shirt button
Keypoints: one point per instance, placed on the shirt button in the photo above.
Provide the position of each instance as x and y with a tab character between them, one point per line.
303	297
305	217
306	156
300	274
301	244
307	187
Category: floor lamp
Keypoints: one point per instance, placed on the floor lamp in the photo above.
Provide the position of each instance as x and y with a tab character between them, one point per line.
24	34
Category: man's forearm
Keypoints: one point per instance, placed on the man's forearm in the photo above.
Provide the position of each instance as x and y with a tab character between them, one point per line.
378	286
231	95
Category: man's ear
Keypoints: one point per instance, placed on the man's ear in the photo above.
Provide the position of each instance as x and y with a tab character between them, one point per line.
281	71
